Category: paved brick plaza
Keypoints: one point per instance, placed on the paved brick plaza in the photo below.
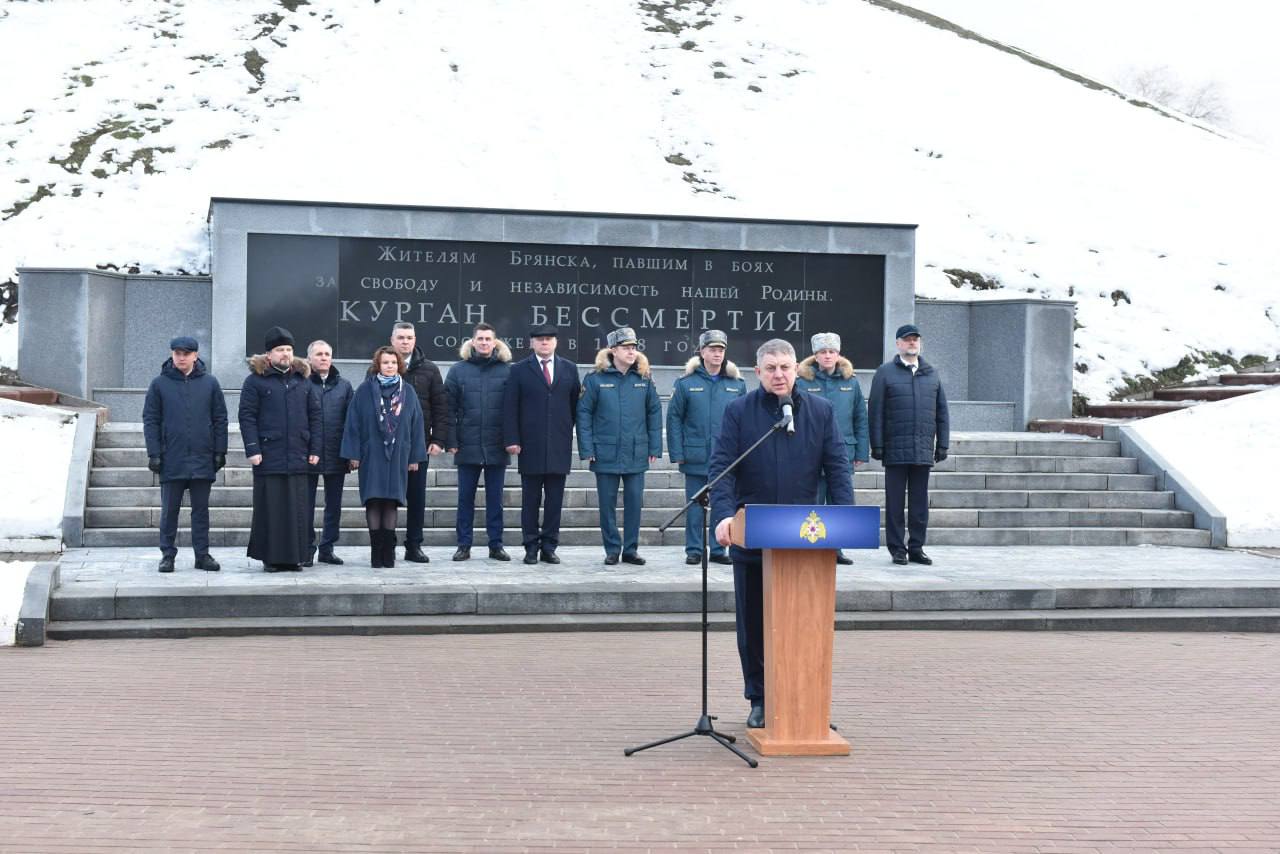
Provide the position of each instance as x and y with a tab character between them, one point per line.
982	742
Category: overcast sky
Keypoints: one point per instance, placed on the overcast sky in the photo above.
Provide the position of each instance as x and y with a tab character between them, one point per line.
1230	41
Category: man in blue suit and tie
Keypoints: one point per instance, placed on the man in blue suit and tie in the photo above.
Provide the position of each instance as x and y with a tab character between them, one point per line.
786	469
539	407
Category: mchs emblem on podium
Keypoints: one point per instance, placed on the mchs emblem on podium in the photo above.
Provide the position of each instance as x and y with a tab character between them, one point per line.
812	529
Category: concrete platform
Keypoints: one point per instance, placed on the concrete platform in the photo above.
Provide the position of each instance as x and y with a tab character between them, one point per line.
117	592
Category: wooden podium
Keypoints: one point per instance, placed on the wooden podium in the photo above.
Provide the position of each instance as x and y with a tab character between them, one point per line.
799	544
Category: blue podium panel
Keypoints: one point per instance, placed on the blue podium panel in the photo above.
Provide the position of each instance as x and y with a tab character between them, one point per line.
811	526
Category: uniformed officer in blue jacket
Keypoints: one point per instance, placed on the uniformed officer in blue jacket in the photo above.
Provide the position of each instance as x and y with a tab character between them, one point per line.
831	375
693	423
786	469
620	432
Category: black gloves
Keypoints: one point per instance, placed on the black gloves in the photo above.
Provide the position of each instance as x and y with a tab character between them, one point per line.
877	453
939	455
219	460
155	464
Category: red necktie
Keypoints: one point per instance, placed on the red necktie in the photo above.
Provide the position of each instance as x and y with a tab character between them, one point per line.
546	371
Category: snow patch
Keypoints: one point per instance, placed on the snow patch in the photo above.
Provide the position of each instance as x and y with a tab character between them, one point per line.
13	582
35	455
1230	451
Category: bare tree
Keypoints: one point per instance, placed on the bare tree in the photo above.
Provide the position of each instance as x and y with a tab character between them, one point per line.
1160	85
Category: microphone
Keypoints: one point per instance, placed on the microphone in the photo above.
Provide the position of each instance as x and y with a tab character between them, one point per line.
788	417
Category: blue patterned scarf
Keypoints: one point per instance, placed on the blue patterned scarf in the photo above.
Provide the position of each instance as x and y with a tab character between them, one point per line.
390	403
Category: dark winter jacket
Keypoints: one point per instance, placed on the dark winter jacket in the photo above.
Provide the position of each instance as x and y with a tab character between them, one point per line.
619	417
335	396
841	390
362	440
425	378
280	417
184	420
539	418
694	413
786	468
909	416
476	387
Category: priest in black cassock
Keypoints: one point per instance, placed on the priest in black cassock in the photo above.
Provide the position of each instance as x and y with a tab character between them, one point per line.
280	420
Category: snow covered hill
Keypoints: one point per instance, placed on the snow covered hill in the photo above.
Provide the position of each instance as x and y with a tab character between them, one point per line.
118	121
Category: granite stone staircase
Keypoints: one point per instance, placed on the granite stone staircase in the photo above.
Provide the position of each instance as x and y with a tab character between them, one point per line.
1099	416
995	489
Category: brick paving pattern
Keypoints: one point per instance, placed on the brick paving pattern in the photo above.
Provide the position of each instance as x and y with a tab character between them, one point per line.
963	742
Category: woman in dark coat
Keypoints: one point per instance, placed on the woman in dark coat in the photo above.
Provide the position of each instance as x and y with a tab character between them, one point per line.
384	439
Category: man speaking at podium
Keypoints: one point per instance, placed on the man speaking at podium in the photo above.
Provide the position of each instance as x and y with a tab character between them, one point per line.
785	469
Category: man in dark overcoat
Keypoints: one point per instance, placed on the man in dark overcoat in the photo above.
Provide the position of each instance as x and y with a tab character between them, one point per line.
910	431
477	386
421	373
540	405
184	421
335	396
786	469
280	421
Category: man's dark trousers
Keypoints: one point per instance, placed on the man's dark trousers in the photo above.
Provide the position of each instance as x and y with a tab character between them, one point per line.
468	480
333	484
748	599
632	503
171	502
909	484
533	488
416	509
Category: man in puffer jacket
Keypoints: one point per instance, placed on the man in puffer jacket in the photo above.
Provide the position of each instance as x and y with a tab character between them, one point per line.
829	374
693	423
910	431
476	386
335	395
620	432
184	421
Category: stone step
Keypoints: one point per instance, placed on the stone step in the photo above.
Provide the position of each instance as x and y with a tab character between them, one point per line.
444	537
129	436
231	477
1137	408
137	458
369	598
575	517
1206	392
29	394
446	497
1101	619
1259	378
1085	426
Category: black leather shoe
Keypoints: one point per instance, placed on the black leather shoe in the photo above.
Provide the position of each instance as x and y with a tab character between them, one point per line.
463	553
755	720
900	559
308	562
692	560
291	567
166	564
498	553
610	560
722	559
920	557
549	557
530	556
633	558
329	557
414	554
842	560
207	563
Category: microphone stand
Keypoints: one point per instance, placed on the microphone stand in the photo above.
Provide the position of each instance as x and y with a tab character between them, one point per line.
702	497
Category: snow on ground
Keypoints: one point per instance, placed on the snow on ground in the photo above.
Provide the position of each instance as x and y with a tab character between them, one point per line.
1230	450
826	109
13	581
35	456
